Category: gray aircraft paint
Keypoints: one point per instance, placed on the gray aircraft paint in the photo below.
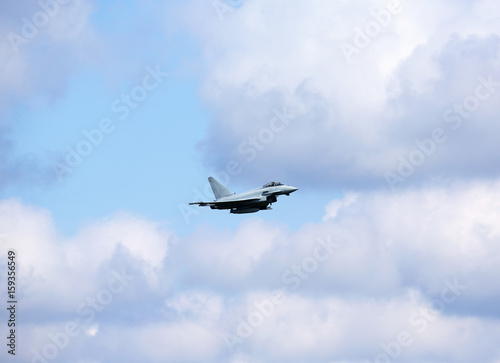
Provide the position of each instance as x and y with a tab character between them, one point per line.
247	202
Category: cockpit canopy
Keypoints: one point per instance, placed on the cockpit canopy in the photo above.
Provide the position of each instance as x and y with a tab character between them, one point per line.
272	184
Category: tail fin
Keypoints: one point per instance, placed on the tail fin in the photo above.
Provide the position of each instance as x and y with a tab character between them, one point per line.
218	189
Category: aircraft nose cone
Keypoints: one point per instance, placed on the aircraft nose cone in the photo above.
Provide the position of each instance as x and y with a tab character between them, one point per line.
293	189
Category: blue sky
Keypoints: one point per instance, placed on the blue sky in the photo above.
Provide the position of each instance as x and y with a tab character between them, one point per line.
157	139
383	113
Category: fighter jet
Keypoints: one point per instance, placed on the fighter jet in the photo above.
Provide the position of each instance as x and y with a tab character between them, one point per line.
247	202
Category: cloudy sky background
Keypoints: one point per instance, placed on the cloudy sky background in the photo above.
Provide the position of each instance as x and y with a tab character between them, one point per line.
390	250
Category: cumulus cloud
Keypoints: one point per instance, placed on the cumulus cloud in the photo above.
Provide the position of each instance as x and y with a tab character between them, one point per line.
73	280
420	238
357	115
406	274
395	274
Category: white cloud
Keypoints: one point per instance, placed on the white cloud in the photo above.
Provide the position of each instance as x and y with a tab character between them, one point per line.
229	259
321	330
354	118
421	262
395	241
202	307
77	268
